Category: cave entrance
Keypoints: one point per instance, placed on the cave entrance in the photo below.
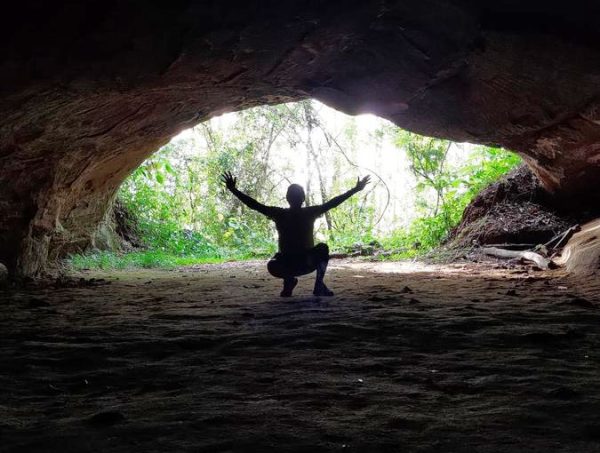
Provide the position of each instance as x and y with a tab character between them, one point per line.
174	208
403	352
91	91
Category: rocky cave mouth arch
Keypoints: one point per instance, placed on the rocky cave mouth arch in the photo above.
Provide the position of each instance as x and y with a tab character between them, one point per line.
90	90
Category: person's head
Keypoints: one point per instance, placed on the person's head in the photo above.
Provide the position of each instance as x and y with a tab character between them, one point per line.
295	195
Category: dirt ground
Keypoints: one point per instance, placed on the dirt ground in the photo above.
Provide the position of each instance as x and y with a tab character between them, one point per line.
405	357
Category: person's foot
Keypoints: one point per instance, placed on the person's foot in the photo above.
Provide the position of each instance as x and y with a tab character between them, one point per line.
322	290
288	287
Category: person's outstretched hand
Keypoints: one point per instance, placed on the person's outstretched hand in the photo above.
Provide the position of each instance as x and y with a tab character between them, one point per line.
362	183
229	180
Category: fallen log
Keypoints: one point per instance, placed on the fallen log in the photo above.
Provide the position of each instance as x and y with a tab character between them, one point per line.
511	246
563	237
539	260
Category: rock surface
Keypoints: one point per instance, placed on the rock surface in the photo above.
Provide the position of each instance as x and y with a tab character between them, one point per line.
514	210
89	89
469	359
3	274
581	255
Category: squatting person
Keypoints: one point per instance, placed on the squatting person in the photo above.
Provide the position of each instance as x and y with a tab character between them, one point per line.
298	254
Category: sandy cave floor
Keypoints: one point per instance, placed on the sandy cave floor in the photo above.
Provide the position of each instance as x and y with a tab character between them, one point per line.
210	359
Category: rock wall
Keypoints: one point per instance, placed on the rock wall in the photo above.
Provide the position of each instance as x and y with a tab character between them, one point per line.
581	255
89	89
513	210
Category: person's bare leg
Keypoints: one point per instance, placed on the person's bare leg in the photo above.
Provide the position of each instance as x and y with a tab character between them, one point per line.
322	257
320	287
277	269
288	286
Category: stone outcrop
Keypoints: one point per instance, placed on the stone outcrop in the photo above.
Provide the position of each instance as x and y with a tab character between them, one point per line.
89	89
581	255
514	210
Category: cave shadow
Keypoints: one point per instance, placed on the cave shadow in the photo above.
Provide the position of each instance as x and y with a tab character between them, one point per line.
215	361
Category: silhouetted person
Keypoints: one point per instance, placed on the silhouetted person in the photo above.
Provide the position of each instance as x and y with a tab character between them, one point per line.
297	254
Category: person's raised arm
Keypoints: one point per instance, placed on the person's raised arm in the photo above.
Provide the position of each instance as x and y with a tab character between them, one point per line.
336	201
230	182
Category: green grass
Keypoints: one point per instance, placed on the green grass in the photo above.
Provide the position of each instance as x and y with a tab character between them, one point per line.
146	259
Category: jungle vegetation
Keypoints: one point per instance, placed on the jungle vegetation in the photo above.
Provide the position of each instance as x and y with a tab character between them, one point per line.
182	215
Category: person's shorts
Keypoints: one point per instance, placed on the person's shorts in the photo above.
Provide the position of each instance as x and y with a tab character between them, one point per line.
302	263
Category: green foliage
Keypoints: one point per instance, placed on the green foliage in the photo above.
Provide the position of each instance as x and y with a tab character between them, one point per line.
142	259
182	208
178	200
183	214
453	188
486	166
423	234
352	223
